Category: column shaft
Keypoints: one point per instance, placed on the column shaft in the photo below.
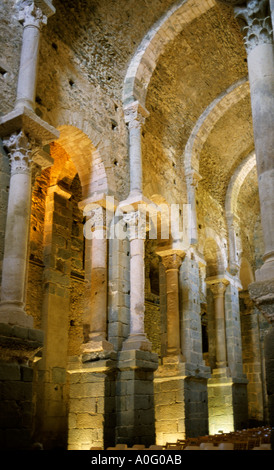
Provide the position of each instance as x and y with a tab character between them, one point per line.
261	78
26	86
218	290
135	116
135	158
220	331
137	287
17	233
173	321
97	316
137	338
172	263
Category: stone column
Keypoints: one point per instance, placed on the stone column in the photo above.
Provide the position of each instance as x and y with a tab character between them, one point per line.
24	135
17	232
255	16
99	284
192	180
33	15
260	54
135	116
233	257
137	339
218	290
172	263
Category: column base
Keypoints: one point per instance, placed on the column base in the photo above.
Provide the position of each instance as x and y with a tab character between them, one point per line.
173	359
137	342
20	350
180	400
92	403
227	402
96	348
135	420
14	315
266	272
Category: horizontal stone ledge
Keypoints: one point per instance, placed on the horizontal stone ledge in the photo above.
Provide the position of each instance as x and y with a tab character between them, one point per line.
137	359
26	120
104	363
20	332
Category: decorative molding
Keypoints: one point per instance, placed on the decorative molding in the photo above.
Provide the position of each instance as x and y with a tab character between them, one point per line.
136	222
135	115
34	12
218	289
20	150
172	261
258	25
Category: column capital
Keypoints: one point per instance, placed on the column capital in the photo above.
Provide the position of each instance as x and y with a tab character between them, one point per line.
136	222
135	115
172	261
257	24
218	289
20	150
34	12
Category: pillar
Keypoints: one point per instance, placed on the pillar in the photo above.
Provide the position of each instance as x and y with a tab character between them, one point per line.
258	37
17	233
24	134
172	263
192	180
260	55
135	116
136	229
218	290
33	15
232	219
97	317
227	393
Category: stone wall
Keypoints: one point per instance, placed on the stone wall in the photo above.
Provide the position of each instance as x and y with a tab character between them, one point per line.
4	192
17	407
20	348
92	405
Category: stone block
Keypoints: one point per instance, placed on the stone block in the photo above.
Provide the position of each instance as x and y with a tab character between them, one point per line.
83	405
26	374
59	375
89	421
10	372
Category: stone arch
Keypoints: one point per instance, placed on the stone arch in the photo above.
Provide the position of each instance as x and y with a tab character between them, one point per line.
144	61
76	125
236	182
208	119
215	263
231	202
86	158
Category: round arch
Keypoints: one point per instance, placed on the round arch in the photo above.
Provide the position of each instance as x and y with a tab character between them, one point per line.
237	181
144	61
208	119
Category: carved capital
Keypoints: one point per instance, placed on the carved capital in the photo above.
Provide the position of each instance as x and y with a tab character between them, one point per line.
218	289
34	12
256	23
98	218
136	222
135	115
172	261
20	149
